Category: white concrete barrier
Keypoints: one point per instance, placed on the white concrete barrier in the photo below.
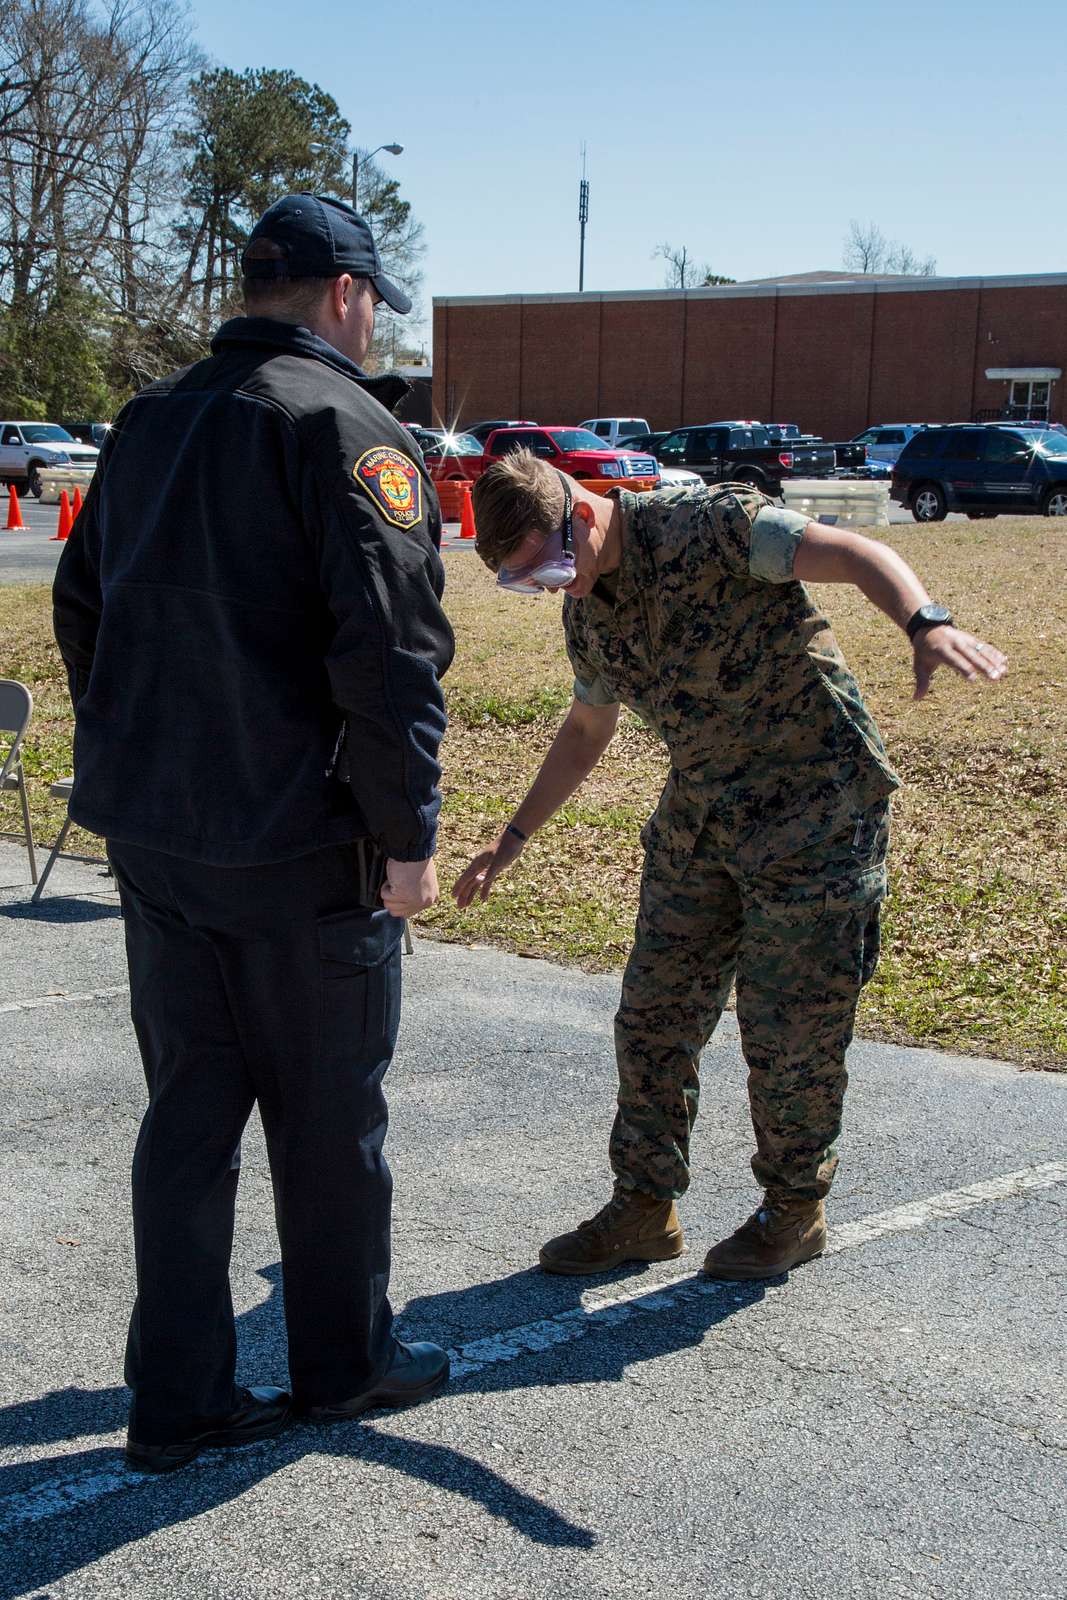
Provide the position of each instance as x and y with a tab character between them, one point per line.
55	479
846	503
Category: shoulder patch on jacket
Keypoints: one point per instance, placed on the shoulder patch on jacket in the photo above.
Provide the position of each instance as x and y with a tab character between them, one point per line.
393	482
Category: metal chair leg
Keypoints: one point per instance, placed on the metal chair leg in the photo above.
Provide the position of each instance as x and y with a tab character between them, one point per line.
23	796
56	848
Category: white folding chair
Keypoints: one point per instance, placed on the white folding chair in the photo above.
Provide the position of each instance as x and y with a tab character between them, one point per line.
16	709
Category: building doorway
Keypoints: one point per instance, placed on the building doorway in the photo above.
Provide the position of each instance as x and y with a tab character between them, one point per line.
1028	400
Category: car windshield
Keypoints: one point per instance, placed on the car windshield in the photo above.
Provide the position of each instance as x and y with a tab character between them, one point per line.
577	439
456	444
1052	444
46	433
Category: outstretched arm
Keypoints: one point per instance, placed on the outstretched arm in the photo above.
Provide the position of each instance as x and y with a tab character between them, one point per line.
835	555
575	751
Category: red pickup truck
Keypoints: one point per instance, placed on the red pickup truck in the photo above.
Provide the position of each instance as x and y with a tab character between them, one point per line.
573	450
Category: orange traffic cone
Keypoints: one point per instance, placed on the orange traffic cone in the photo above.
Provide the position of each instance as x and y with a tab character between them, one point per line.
14	510
66	521
467	530
76	507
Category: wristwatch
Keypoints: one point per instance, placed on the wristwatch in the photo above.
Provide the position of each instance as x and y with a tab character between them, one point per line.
931	616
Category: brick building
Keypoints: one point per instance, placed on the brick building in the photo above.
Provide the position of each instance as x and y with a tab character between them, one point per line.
829	352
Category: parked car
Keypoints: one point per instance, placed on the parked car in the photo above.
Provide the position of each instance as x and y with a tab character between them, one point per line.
452	457
89	432
850	458
645	442
724	452
613	430
679	478
572	450
27	447
982	469
887	440
482	430
425	438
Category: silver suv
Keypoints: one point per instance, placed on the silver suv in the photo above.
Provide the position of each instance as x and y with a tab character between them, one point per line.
27	448
887	440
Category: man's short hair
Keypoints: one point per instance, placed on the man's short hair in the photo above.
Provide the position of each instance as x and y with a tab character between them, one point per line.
514	497
287	297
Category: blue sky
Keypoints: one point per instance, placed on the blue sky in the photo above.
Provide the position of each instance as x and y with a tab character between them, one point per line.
751	134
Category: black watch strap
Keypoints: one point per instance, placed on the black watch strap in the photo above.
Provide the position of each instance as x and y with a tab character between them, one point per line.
928	616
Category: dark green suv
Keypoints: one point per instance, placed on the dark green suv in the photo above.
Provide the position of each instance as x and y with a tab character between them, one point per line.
983	469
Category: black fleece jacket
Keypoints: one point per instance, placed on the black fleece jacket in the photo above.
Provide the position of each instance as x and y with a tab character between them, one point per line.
249	606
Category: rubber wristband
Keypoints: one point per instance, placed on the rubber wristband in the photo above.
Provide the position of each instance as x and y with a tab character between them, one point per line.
511	828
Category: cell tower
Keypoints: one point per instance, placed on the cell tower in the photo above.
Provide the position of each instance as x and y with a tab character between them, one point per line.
583	218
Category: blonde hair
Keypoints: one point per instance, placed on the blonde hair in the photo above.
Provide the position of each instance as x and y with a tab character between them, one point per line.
516	496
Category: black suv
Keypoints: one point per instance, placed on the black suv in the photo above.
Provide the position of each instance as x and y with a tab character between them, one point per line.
983	470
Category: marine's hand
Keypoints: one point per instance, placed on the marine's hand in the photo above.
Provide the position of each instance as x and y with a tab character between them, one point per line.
951	647
479	876
409	887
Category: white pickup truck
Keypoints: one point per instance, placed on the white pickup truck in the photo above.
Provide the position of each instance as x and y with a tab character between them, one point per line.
45	458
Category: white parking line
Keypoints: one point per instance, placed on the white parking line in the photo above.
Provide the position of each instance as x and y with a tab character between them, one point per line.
61	1494
597	1313
65	999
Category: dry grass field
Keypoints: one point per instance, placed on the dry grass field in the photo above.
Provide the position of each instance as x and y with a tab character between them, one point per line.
976	948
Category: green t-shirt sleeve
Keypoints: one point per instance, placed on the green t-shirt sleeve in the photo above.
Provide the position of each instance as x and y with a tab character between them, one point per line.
594	692
773	543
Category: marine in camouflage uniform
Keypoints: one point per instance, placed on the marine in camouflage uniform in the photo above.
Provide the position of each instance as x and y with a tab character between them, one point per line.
765	858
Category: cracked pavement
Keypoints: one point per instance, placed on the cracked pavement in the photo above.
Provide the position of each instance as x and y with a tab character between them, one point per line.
890	1421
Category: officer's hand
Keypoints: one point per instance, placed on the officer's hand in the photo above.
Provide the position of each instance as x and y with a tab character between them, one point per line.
479	876
409	887
951	647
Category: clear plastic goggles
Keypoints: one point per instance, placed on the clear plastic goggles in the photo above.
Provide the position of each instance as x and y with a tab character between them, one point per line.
553	566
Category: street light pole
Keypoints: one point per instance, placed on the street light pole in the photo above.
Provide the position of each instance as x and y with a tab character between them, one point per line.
393	149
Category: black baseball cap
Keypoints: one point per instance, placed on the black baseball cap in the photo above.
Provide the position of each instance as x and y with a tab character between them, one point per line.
320	238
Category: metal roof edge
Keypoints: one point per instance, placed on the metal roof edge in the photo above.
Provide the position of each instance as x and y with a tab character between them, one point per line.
742	291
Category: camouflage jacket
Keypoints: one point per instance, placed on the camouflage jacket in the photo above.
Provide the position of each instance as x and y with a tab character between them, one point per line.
711	640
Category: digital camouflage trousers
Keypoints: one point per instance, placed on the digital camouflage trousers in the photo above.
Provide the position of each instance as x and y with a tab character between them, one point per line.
801	938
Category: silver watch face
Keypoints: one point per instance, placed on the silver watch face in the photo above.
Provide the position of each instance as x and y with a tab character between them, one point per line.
935	613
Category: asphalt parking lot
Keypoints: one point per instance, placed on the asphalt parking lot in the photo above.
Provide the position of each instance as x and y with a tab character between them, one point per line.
890	1420
30	555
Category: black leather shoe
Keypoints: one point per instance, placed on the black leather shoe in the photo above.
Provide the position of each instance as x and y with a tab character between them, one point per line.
260	1414
416	1373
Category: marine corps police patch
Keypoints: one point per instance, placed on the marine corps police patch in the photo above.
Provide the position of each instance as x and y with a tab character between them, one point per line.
392	480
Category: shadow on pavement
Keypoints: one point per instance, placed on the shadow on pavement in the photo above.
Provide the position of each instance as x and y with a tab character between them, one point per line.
48	1533
60	909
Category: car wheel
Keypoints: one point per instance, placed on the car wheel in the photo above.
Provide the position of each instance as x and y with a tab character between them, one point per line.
1055	503
33	479
753	479
928	503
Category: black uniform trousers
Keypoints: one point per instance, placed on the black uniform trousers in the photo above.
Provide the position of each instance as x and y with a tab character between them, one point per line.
276	984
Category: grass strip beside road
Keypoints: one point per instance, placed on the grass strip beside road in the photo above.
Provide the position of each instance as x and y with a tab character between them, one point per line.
976	925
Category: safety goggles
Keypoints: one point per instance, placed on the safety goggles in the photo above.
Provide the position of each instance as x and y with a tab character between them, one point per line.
553	566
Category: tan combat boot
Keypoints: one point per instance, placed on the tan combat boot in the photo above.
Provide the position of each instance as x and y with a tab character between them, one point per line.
633	1226
780	1235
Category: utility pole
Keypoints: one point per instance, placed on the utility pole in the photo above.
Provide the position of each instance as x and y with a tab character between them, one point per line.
583	218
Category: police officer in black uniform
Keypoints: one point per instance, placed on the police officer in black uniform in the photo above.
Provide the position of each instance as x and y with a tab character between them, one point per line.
249	611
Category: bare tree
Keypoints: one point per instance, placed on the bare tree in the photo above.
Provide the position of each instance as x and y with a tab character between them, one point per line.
82	153
683	272
867	249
